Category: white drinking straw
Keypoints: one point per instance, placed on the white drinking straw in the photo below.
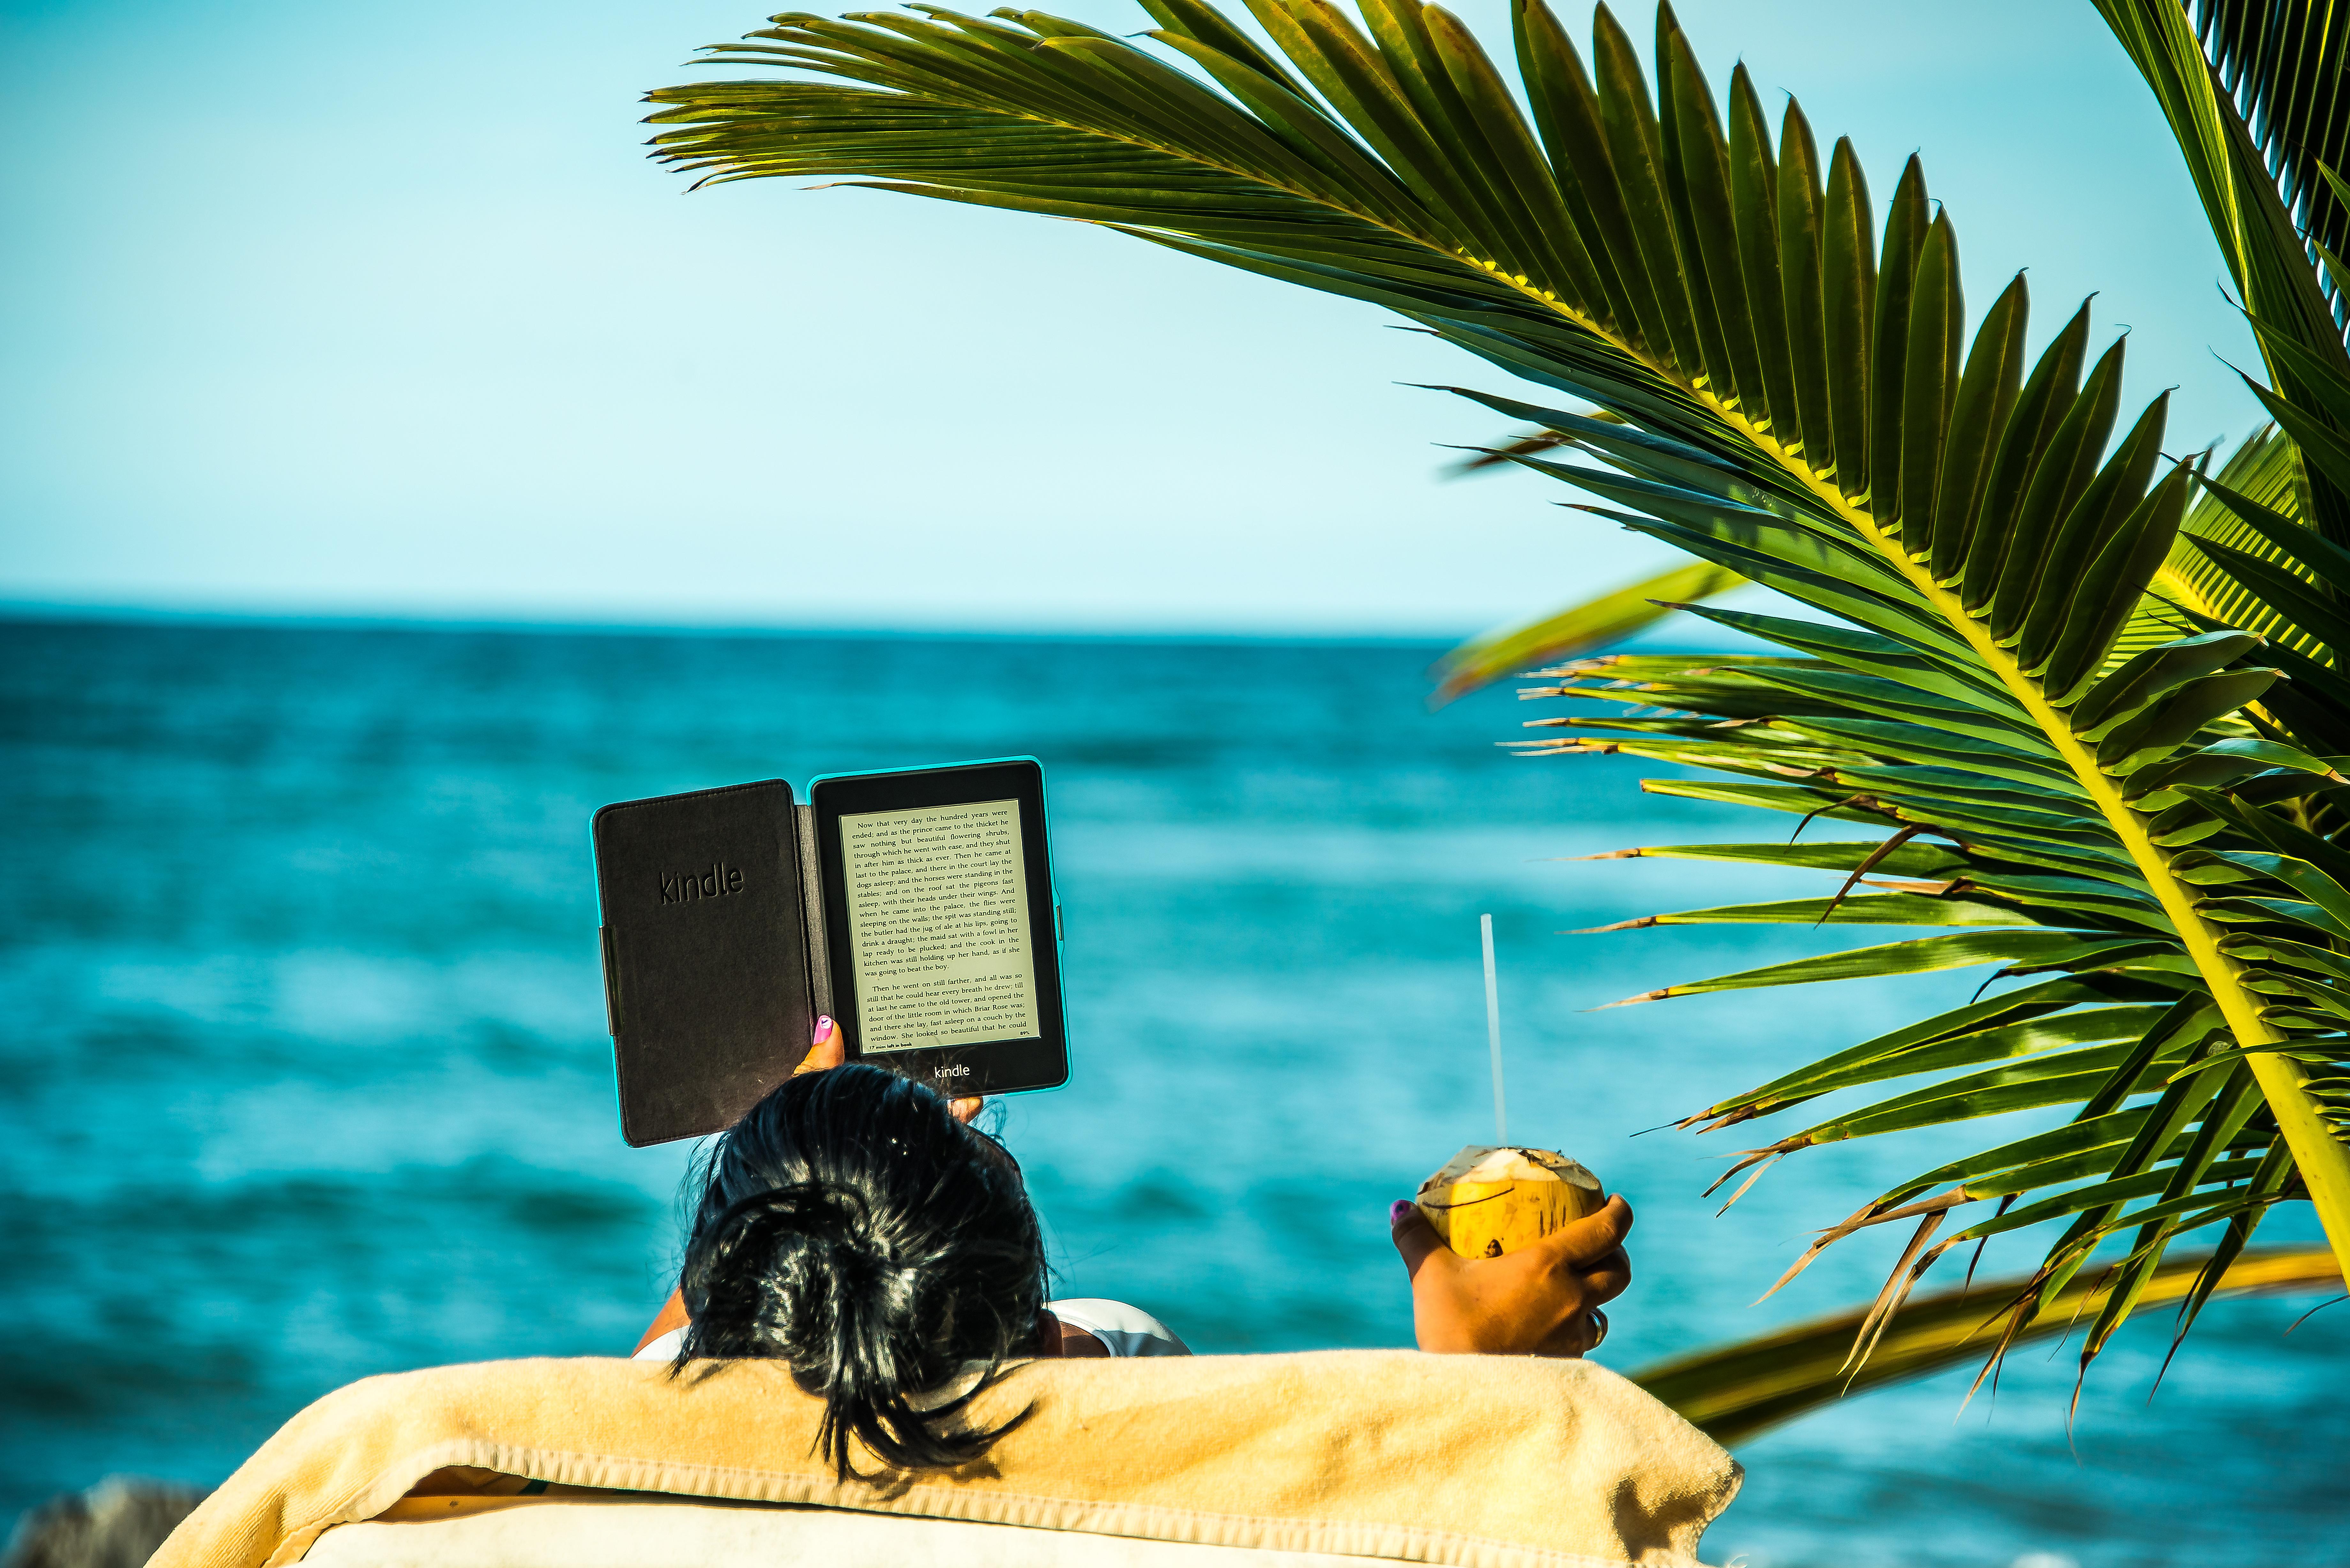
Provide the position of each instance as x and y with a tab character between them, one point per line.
1493	1030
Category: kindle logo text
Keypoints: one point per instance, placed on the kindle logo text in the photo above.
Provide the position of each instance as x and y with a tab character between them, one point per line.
688	886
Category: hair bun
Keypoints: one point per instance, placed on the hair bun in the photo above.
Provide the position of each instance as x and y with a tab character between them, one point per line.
850	1226
748	1237
823	1211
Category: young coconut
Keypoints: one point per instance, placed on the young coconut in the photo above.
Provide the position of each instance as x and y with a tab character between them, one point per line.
1489	1201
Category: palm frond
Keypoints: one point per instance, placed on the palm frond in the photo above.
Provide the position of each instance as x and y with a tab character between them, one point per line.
1579	628
2252	562
2285	66
1734	1392
1790	398
1588	625
2266	471
2256	96
2170	1121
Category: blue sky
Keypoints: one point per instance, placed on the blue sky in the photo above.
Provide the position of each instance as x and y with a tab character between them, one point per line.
338	310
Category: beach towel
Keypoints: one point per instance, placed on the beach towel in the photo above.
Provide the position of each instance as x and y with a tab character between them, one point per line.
1480	1461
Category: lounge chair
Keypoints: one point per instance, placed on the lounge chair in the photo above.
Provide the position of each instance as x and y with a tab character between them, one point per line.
1322	1458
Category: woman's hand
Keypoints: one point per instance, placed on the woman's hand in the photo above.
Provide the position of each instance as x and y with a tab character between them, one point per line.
829	1050
1542	1299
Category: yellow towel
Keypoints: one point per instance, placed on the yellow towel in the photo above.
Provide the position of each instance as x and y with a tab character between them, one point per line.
1430	1459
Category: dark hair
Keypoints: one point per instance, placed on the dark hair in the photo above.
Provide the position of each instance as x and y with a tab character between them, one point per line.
848	1224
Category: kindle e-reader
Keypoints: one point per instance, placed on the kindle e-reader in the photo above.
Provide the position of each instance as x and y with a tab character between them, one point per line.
915	906
941	930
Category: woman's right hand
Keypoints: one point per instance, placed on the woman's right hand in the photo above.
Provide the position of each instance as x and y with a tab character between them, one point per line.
829	1050
1542	1299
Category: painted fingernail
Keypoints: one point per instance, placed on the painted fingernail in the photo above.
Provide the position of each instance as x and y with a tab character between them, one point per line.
1397	1211
824	1027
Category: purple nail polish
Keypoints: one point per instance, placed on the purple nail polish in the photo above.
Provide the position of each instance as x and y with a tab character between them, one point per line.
1396	1210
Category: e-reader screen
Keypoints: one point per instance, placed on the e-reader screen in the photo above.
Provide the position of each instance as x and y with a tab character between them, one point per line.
938	926
941	925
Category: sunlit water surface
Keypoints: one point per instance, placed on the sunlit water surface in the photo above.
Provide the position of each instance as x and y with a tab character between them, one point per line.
305	1075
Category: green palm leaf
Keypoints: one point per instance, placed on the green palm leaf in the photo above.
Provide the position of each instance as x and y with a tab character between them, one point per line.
1737	1392
1790	401
1585	626
2266	471
2281	66
1578	630
2255	94
2259	100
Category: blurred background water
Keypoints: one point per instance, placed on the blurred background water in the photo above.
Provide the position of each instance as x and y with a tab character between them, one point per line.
305	1075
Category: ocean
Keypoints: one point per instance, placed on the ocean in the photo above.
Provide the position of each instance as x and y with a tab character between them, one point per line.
305	1075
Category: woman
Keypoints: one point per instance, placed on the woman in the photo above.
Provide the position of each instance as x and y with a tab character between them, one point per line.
855	1224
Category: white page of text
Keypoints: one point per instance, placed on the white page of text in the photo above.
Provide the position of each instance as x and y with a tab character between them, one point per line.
938	917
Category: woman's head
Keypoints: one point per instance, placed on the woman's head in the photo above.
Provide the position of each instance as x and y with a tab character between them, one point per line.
850	1225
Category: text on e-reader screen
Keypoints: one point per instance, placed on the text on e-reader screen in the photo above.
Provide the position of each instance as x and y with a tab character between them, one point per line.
938	917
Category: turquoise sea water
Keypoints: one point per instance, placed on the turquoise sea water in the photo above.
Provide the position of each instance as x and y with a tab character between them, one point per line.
305	1076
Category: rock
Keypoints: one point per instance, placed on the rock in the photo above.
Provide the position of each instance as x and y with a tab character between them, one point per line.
118	1523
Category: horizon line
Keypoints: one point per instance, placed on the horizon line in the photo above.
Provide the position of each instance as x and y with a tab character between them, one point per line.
104	613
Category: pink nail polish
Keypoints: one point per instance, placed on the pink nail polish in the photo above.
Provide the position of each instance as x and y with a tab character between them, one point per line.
1397	1211
824	1027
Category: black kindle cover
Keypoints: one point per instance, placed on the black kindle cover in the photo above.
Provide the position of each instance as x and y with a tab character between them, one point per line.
707	972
